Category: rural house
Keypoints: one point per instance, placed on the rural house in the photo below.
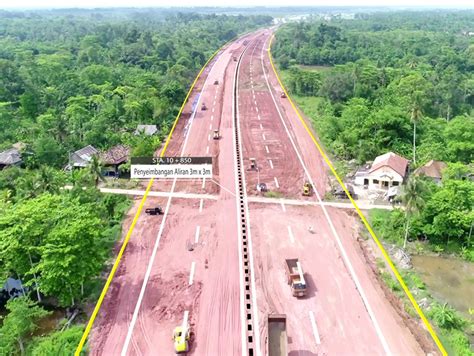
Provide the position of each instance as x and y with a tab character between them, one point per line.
432	169
113	158
387	170
10	157
148	130
81	158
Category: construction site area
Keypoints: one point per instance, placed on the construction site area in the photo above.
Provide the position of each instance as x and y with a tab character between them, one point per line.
250	262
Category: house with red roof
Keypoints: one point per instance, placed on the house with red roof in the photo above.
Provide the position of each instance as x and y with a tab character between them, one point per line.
386	171
432	169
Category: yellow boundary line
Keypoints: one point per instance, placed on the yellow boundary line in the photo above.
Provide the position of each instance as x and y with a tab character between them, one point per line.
135	219
361	215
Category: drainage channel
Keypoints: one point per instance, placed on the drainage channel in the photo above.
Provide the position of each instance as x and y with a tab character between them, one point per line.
251	319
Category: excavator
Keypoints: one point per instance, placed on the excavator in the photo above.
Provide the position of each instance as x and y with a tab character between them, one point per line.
307	189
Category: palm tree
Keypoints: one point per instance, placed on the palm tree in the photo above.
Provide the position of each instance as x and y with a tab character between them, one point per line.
49	179
29	186
355	73
413	200
95	169
415	115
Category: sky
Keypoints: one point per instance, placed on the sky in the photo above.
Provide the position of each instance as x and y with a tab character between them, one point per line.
6	4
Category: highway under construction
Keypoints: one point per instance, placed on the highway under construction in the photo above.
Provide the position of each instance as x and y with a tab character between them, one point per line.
224	265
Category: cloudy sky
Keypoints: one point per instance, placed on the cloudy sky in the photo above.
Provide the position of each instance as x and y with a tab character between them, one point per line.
151	3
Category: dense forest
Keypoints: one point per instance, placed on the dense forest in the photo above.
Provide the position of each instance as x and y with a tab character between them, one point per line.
70	79
67	81
377	73
393	82
401	82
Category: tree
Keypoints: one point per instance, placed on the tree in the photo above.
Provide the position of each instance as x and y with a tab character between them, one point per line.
59	245
20	243
72	252
415	116
59	343
47	151
412	200
459	135
449	213
19	323
95	170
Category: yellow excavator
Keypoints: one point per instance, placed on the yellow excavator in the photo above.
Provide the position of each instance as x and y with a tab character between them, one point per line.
181	336
307	189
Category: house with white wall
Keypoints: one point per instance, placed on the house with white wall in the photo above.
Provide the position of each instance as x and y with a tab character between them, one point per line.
386	171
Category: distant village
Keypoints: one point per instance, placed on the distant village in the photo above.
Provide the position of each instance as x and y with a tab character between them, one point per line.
110	159
377	180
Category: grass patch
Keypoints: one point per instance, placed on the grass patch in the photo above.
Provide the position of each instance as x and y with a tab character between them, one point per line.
273	195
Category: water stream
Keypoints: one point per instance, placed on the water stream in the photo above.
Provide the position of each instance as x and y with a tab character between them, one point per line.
449	280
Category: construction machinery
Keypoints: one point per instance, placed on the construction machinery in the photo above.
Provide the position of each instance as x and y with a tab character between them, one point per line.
262	188
295	275
216	82
216	135
277	340
307	189
282	95
203	107
235	59
181	337
253	164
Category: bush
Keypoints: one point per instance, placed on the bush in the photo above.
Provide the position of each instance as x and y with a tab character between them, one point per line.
58	343
458	343
446	317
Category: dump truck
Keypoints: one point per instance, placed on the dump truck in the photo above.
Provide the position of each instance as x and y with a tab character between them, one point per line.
282	95
216	135
235	59
295	275
203	107
181	336
277	339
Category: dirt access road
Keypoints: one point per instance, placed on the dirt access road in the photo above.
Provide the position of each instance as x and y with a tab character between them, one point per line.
219	263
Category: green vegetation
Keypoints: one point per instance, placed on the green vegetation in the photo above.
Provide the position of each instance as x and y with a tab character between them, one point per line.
387	77
401	82
401	94
18	324
444	214
272	194
69	79
451	325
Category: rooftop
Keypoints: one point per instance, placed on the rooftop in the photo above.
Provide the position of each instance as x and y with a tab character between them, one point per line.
115	155
82	157
392	160
146	129
10	157
432	169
